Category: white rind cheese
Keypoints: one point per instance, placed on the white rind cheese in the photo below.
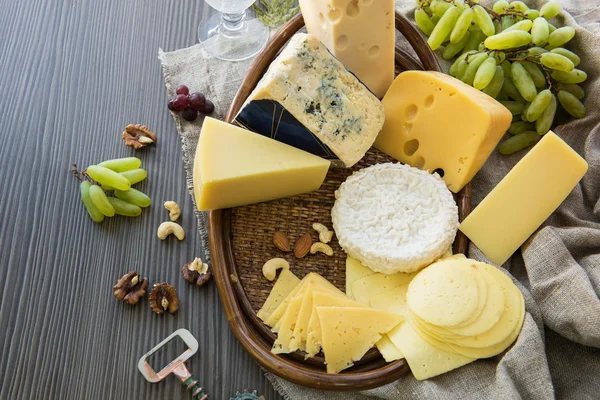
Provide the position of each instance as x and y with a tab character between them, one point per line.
323	96
394	218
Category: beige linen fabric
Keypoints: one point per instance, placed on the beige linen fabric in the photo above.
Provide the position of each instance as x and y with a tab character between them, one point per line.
558	269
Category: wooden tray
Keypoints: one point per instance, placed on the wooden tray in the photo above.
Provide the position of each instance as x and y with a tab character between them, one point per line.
241	241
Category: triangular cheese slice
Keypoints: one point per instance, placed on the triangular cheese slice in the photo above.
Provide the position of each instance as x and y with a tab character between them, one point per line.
349	332
286	282
298	340
425	361
235	167
388	350
365	288
355	271
313	330
280	310
288	322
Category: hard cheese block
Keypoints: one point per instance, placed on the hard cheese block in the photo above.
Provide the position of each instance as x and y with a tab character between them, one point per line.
434	121
235	167
286	282
307	99
525	198
349	332
359	34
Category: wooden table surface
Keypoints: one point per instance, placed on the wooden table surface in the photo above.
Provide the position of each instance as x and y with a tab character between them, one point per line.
72	74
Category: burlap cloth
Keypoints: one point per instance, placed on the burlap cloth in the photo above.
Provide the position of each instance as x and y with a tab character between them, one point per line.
557	269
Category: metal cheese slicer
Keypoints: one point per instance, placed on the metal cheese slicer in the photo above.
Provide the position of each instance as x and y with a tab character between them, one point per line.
177	367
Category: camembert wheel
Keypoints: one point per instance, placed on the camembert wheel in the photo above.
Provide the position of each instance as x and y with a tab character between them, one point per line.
394	218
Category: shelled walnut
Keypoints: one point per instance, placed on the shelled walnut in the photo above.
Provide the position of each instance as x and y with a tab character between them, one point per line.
130	288
196	272
163	297
138	136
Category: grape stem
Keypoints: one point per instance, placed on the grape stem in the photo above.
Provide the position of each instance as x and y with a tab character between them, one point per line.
81	175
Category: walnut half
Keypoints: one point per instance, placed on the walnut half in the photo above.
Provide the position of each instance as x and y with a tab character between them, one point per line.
138	136
130	288
196	272
163	297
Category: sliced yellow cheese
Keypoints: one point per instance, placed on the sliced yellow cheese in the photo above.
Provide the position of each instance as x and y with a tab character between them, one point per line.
286	282
425	361
314	337
393	300
349	332
280	310
365	288
539	183
341	26
235	167
388	350
298	340
425	125
446	293
355	271
288	321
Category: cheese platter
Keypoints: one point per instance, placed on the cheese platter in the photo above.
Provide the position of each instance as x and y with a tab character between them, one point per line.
342	130
240	243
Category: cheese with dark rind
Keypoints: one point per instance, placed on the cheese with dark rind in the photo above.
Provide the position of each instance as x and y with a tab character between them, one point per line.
309	100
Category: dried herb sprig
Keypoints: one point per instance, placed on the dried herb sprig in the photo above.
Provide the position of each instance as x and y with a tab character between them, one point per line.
274	13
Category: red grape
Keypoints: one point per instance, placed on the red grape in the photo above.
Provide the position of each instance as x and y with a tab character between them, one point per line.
171	104
181	102
182	89
197	101
189	114
209	107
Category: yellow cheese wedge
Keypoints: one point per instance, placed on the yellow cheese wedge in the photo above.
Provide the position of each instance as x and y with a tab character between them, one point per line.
235	167
538	183
286	282
349	332
446	293
314	337
388	350
425	361
434	121
365	288
298	340
360	34
355	271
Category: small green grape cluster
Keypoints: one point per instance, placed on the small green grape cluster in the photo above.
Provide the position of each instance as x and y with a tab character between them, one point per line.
512	53
116	176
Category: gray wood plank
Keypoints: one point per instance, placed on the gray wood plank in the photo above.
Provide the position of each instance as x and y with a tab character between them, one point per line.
72	75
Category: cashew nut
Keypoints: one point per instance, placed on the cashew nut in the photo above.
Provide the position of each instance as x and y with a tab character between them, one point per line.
270	268
325	235
321	247
174	210
167	228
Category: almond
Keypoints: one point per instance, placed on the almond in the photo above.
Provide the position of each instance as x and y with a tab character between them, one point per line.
302	246
281	241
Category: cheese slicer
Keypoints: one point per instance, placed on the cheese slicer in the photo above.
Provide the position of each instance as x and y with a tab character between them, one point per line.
178	368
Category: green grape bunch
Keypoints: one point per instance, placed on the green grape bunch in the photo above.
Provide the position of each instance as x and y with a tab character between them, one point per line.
512	53
116	176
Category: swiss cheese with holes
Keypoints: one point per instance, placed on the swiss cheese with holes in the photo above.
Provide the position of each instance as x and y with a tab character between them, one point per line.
436	122
360	34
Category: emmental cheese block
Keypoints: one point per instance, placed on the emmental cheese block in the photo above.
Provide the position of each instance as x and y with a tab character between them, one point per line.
309	100
349	332
359	33
525	198
436	122
235	167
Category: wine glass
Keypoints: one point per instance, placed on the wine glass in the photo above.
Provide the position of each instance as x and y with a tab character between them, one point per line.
229	34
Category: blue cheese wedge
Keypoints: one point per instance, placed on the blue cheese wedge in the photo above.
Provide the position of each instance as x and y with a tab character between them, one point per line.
309	100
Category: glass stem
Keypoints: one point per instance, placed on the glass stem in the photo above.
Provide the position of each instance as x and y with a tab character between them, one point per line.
231	23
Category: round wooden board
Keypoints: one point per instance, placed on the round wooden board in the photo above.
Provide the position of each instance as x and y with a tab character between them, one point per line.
241	241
